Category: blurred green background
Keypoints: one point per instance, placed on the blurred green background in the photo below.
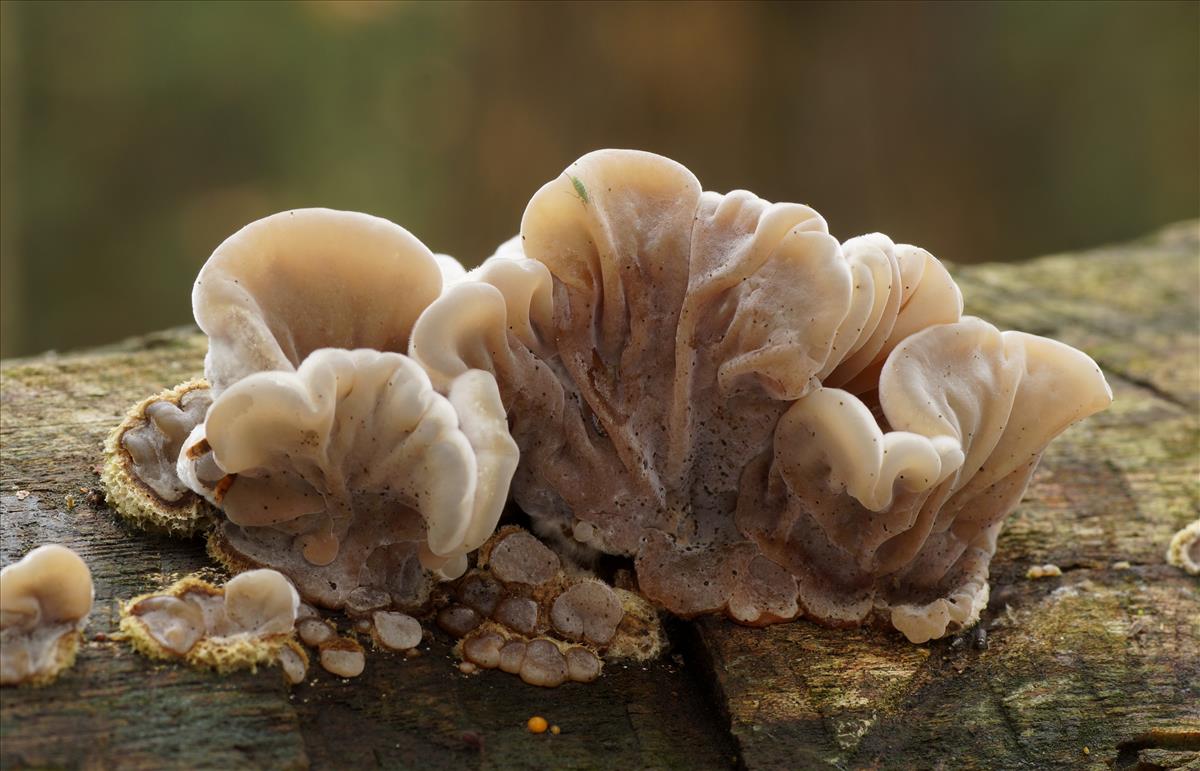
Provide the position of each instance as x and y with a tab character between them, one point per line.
136	136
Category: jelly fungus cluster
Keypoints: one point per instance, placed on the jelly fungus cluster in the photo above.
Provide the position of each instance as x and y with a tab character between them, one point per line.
764	421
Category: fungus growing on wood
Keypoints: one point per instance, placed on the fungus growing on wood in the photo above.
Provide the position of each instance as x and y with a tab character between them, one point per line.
522	612
353	476
249	621
770	423
270	294
343	656
1184	551
314	631
45	599
395	631
1048	570
140	456
328	452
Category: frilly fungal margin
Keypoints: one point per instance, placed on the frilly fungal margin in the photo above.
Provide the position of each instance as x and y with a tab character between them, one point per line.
772	424
327	449
352	475
323	447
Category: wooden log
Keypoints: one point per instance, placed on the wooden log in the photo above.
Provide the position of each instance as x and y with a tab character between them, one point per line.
1097	668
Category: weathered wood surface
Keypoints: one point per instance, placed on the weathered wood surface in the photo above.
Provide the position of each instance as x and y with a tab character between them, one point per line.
1098	668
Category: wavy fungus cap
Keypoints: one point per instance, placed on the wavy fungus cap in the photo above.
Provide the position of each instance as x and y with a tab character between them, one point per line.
328	451
293	282
270	294
351	473
770	422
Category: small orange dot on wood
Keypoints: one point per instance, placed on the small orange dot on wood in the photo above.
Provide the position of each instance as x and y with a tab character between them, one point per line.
537	724
555	730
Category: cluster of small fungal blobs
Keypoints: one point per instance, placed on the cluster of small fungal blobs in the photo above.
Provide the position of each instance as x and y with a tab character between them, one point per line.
344	655
255	618
521	612
518	611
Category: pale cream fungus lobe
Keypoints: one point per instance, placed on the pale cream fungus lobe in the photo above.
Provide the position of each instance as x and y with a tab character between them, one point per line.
1184	549
337	461
45	599
1043	571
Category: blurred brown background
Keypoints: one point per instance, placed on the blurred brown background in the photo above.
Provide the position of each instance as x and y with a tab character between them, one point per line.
136	136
